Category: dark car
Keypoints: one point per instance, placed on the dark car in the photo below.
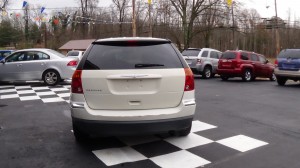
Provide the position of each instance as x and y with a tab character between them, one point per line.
5	53
245	64
288	66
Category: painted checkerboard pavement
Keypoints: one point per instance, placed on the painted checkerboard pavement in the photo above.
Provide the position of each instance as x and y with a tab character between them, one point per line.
195	150
46	94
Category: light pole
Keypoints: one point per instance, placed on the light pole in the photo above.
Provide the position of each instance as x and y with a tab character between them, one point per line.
277	38
133	19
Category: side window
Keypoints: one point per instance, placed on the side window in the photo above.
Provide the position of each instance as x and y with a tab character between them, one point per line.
16	57
254	57
214	55
42	56
244	56
262	59
204	54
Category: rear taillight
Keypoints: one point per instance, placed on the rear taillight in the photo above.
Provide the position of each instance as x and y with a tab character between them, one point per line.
76	82
72	63
189	80
276	62
198	61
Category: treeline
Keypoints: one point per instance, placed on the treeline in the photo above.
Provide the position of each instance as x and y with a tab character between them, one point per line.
197	23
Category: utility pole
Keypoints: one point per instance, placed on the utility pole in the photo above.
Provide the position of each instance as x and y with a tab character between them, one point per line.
133	19
45	35
26	17
233	28
277	37
150	20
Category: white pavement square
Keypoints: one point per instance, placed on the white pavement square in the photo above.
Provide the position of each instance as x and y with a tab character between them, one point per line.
242	143
9	96
190	141
115	156
51	100
26	98
25	91
8	90
201	126
179	159
59	89
45	93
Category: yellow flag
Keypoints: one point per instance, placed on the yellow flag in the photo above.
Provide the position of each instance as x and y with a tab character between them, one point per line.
149	1
229	2
4	13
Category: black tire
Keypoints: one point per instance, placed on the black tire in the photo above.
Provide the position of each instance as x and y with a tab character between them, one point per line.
51	77
79	135
224	78
273	77
247	75
184	132
281	81
207	72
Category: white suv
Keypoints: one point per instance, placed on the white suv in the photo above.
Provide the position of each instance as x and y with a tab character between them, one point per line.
128	86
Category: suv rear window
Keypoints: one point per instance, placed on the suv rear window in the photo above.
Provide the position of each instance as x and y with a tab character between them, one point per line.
132	56
191	52
291	53
228	55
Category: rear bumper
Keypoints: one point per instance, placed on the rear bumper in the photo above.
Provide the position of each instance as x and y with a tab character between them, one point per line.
230	72
125	128
287	74
67	73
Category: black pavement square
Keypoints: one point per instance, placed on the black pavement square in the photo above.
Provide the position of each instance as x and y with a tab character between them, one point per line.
155	148
216	134
138	164
103	143
213	152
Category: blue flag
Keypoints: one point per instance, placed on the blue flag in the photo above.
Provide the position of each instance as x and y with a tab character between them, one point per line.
24	4
42	9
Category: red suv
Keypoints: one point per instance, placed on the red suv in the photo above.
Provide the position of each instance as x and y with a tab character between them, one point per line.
247	65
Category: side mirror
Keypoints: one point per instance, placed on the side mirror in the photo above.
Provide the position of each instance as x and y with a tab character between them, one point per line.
2	61
267	61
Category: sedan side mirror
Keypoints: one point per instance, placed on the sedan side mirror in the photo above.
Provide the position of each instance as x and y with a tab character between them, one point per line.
2	61
267	61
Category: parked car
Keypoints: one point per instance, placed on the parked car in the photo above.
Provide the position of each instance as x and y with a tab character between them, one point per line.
202	61
37	64
288	66
75	54
5	53
244	64
127	86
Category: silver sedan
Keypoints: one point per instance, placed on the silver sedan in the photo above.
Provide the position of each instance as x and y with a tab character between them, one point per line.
37	64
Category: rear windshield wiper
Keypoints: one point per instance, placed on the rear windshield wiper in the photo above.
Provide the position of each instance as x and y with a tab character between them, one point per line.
147	65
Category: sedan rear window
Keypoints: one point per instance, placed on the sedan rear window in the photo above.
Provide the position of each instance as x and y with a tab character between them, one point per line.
290	53
132	56
191	52
73	53
228	55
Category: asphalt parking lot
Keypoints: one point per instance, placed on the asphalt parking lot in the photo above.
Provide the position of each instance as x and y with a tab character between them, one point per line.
237	124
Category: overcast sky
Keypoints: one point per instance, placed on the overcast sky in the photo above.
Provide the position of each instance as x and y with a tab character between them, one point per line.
259	5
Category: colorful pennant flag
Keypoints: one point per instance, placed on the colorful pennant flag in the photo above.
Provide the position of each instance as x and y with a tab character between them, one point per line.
24	4
42	9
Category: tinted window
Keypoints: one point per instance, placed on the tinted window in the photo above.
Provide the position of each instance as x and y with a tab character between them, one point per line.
289	53
214	54
56	53
228	55
191	52
244	56
262	59
135	56
73	53
16	57
204	54
254	57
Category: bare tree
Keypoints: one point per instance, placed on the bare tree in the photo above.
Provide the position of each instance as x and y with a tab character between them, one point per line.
121	7
188	11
